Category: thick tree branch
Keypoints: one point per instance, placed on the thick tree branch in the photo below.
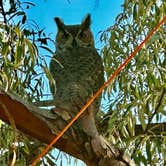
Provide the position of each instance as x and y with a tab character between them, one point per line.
32	125
44	126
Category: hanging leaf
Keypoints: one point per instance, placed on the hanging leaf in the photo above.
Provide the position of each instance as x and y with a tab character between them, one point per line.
142	119
135	11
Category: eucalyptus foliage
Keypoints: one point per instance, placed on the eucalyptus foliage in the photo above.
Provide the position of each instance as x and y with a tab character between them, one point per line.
23	70
139	92
22	65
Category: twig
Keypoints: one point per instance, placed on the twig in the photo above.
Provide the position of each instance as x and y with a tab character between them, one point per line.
156	109
3	11
11	120
150	119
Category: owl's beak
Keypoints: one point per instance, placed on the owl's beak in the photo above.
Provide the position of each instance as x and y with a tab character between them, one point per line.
74	43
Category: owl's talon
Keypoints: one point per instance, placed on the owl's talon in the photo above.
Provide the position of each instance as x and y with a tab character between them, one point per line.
61	112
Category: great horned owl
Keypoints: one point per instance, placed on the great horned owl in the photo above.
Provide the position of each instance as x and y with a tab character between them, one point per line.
78	71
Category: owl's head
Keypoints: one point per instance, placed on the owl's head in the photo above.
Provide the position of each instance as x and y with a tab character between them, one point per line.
74	36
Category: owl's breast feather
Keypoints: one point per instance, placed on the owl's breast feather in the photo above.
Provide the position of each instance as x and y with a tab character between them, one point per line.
80	77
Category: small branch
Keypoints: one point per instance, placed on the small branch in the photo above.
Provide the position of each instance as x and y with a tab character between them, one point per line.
10	118
14	155
3	11
154	127
156	109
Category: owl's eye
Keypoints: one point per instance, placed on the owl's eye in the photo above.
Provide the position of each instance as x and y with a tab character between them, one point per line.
63	35
85	36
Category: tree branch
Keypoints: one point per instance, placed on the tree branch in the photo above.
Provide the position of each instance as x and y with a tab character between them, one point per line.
43	126
3	12
31	124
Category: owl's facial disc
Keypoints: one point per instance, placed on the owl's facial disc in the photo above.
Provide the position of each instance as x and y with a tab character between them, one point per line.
74	36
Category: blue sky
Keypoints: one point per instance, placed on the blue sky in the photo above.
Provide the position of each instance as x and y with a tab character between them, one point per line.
103	14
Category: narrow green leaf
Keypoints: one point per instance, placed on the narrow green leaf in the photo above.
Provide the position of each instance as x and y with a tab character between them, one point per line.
142	119
135	11
137	93
131	124
124	131
5	49
32	50
148	150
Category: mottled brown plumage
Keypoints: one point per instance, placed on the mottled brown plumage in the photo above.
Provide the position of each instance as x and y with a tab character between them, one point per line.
79	73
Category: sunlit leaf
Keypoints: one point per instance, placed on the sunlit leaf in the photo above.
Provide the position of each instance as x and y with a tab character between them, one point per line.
135	11
5	49
148	150
142	119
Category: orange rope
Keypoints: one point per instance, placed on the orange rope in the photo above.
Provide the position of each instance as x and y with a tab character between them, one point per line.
98	92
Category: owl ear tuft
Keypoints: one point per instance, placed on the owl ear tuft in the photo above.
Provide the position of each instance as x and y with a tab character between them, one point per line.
86	22
59	23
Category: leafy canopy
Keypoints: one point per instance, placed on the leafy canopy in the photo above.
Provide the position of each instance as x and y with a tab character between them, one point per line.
138	95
